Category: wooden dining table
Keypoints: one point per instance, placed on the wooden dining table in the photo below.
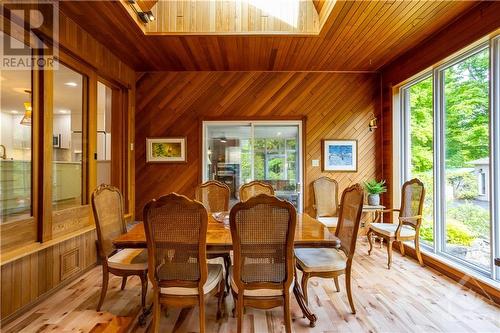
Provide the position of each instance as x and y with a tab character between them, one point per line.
309	232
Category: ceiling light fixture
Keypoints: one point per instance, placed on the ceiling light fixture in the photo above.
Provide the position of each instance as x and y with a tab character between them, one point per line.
14	112
144	16
71	84
26	121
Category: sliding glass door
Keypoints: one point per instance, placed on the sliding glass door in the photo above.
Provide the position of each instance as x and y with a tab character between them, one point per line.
239	152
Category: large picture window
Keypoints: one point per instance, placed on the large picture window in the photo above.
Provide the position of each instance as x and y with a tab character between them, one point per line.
448	142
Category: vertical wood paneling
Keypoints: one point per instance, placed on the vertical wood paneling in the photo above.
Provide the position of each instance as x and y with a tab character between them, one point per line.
332	105
26	279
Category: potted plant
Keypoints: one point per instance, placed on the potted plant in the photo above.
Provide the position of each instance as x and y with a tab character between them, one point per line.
374	189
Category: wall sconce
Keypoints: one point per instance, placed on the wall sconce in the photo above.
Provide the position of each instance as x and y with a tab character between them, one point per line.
372	125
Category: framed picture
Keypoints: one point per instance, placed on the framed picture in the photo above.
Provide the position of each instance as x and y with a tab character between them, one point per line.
165	150
340	155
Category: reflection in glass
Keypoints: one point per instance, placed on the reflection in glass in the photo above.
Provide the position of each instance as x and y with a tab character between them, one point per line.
67	138
104	95
15	145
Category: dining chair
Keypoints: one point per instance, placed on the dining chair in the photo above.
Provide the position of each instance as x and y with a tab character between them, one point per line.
253	189
107	206
326	201
409	221
176	235
262	231
329	262
214	195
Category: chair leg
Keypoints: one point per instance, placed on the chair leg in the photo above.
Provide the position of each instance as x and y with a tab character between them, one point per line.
336	280
227	266
349	291
402	248
155	325
104	288
417	251
239	310
124	282
287	314
220	300
389	253
303	285
202	313
369	236
144	289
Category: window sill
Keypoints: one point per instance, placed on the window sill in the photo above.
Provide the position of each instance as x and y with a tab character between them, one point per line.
460	273
23	251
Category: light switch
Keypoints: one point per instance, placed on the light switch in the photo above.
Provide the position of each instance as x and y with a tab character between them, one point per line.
315	163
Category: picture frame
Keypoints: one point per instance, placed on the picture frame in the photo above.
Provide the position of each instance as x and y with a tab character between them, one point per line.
166	150
339	155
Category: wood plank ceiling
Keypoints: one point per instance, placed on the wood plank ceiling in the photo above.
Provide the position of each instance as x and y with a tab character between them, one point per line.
357	36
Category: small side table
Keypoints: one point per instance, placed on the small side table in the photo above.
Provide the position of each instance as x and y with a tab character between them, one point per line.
376	216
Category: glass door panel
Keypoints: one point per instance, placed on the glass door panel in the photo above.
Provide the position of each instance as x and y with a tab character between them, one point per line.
228	156
276	159
467	162
104	99
237	153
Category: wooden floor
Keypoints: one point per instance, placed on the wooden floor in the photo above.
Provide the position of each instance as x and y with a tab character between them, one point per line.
407	298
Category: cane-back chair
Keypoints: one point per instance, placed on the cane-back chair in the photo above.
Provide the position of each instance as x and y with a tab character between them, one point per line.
263	230
255	188
410	219
326	201
107	206
176	235
214	195
331	263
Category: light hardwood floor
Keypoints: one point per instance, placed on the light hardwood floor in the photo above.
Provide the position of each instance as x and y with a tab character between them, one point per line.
407	298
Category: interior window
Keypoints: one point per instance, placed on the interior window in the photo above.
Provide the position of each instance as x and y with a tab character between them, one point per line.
67	139
15	144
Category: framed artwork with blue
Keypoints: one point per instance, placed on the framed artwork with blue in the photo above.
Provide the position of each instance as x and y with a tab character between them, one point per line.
340	155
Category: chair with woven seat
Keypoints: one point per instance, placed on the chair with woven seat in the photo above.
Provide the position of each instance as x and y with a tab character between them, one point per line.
326	201
410	219
262	230
253	189
176	235
214	195
107	206
329	262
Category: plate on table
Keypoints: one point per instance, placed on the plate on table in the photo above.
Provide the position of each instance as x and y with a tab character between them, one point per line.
222	217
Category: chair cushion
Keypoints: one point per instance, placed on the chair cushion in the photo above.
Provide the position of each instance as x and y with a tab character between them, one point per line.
320	259
256	292
129	259
389	229
330	221
213	278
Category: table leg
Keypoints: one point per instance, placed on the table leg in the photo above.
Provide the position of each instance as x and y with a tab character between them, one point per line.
297	291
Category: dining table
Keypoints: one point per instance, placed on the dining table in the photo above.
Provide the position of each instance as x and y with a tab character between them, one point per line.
309	232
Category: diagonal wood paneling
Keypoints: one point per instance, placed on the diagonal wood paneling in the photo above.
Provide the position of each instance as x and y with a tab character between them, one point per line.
333	105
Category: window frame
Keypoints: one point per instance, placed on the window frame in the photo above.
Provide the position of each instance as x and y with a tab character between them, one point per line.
401	121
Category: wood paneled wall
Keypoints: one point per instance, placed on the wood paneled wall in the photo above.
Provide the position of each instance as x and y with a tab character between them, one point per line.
24	280
473	25
332	105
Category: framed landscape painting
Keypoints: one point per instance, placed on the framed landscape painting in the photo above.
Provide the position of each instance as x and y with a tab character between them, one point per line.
340	155
165	150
